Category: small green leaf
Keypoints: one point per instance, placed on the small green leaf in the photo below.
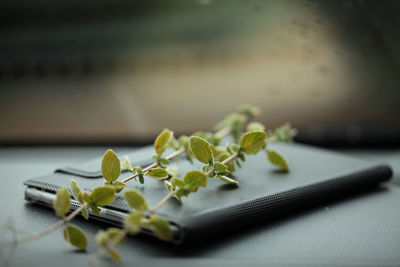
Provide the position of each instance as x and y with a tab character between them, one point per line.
164	161
133	223
61	204
230	164
85	213
176	182
101	238
158	173
219	167
75	189
102	195
252	142
85	196
161	228
135	200
201	149
228	180
110	166
255	126
162	140
249	110
95	210
126	164
169	186
74	235
194	179
172	171
114	255
115	236
118	186
277	159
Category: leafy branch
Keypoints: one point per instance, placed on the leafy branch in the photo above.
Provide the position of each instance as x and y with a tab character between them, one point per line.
219	162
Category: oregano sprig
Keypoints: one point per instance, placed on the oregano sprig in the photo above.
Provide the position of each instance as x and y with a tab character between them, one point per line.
219	162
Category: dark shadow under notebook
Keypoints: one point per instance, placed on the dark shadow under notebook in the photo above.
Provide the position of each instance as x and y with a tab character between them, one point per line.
315	176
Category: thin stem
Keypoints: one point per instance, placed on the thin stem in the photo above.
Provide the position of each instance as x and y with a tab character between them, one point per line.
162	201
53	227
221	133
172	193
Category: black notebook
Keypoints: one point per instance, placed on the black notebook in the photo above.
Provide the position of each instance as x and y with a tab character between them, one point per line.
316	175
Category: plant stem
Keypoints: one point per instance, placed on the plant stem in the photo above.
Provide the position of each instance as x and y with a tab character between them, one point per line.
172	193
53	227
221	133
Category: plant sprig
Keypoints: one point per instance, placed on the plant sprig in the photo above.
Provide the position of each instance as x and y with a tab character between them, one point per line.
218	162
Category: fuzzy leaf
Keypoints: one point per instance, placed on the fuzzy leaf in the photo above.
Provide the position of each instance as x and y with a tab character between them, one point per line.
252	142
172	171
114	234
161	228
95	210
194	179
158	173
228	180
75	189
61	204
135	200
110	166
255	126
118	185
133	222
219	167
201	149
114	255
126	164
277	159
162	140
102	195
85	213
74	235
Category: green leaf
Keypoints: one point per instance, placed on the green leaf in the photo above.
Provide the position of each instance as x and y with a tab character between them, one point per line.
110	166
158	173
161	228
277	159
74	235
172	171
61	204
115	234
95	210
75	189
126	164
201	149
85	213
219	167
85	196
164	161
255	126
118	186
102	195
114	255
249	110
230	164
135	200
228	180
194	179
101	238
169	186
176	182
252	142
133	223
162	140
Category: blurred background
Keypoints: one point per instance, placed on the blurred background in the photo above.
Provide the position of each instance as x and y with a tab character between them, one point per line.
119	71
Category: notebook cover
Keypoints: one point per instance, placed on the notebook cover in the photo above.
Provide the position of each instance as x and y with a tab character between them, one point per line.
264	191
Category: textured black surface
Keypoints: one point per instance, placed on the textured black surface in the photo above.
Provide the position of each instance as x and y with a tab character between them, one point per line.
359	230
